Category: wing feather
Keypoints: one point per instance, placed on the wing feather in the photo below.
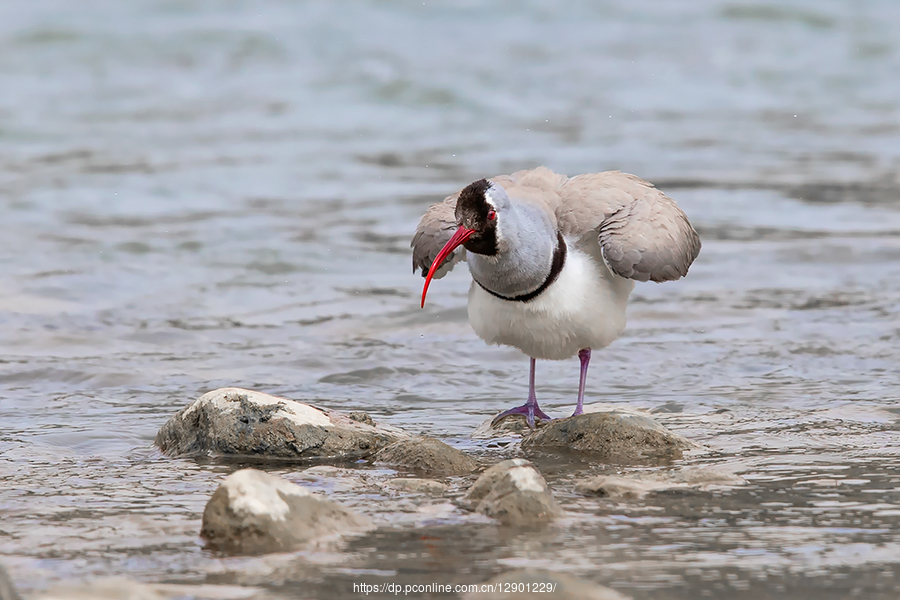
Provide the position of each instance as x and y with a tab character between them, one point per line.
435	228
642	233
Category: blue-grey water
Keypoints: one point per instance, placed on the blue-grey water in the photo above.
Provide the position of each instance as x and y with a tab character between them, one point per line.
203	194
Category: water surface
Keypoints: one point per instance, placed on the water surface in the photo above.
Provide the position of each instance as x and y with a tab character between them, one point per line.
199	194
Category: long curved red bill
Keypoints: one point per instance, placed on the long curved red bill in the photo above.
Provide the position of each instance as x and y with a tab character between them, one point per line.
459	238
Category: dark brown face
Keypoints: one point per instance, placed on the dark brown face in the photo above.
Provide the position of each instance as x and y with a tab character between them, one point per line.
473	212
477	231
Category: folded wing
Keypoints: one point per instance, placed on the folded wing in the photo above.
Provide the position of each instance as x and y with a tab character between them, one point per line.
642	233
435	228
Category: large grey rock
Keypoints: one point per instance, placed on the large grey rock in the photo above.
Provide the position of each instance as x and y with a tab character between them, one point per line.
640	484
611	435
253	512
427	455
7	589
514	493
516	585
234	421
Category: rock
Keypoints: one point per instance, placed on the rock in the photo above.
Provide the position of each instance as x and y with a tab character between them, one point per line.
544	584
613	434
7	589
514	493
427	455
322	472
328	479
639	485
237	422
510	425
253	512
361	417
112	588
414	485
614	487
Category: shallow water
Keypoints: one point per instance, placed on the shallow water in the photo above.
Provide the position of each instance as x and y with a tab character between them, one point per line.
198	194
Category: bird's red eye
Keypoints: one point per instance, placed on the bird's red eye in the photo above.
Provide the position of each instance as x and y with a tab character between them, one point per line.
492	215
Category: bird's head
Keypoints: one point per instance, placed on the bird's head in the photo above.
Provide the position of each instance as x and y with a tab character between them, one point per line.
479	211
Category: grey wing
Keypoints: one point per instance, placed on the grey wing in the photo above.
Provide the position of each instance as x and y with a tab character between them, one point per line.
649	241
643	234
435	228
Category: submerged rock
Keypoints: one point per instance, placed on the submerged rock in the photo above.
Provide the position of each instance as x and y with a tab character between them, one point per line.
234	421
613	434
253	512
7	589
427	455
639	485
514	493
543	584
323	472
417	486
329	479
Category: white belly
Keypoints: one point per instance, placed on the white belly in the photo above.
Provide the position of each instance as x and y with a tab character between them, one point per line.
583	308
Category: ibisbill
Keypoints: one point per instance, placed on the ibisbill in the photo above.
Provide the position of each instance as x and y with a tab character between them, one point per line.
553	259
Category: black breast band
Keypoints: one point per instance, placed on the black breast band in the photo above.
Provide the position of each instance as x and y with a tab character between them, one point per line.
559	261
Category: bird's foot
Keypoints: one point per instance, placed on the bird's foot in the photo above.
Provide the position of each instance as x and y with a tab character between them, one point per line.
529	410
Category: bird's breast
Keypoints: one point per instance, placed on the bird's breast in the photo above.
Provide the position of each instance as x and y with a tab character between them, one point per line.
583	308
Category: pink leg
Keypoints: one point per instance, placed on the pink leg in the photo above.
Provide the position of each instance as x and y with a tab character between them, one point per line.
585	356
530	409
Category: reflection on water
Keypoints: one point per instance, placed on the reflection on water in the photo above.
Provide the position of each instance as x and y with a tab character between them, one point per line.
198	195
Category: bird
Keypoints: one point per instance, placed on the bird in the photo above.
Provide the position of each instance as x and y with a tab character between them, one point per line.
553	260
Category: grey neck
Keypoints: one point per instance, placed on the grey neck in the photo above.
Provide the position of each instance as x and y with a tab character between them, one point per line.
528	257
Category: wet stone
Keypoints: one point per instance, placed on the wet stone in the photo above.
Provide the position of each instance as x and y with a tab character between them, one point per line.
611	435
417	486
323	472
253	512
330	479
507	426
427	455
639	485
238	422
361	417
514	493
544	584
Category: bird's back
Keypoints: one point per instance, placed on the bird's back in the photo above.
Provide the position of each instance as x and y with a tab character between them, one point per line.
641	232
